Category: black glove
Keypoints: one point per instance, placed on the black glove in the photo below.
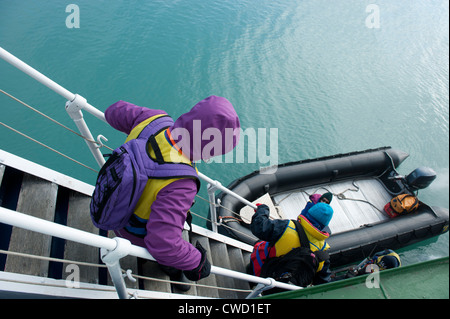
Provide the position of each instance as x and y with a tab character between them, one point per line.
262	209
204	268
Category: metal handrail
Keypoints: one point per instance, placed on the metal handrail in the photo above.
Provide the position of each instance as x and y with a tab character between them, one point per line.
113	249
8	57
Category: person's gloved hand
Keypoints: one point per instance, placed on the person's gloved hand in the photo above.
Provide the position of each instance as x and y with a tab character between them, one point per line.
262	209
204	268
257	206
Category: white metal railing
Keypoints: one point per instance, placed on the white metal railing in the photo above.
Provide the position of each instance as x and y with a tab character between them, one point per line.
74	105
8	57
112	249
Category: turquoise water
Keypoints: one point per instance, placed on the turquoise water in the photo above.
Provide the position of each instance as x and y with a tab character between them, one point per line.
313	70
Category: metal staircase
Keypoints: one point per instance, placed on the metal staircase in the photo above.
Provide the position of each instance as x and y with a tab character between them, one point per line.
28	188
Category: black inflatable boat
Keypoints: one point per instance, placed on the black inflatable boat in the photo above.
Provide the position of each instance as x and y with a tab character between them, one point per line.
362	182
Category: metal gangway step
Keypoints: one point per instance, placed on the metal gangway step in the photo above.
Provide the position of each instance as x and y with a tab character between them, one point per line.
55	198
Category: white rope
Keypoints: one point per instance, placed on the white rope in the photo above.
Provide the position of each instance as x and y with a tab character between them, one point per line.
220	205
66	261
54	121
46	146
339	196
222	224
190	284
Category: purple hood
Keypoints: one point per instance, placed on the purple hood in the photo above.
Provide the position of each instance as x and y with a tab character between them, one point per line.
211	128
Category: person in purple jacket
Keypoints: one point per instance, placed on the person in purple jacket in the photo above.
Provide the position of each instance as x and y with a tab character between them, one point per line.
210	128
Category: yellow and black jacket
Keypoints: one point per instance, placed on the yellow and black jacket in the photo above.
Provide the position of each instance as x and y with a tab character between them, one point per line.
280	237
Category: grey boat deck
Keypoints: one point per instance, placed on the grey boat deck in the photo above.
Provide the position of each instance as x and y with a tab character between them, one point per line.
66	201
363	203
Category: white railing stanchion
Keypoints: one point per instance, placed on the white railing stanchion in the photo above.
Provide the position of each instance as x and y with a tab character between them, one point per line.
214	185
74	108
212	207
111	258
259	289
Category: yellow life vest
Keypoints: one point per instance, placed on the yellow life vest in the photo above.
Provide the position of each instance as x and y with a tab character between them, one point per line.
290	240
171	154
378	259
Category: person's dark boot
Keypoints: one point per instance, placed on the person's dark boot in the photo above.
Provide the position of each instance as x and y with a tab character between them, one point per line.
176	275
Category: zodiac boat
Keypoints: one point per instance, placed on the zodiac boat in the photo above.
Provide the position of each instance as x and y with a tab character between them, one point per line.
362	184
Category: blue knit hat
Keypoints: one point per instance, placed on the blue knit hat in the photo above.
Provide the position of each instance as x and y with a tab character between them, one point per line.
322	213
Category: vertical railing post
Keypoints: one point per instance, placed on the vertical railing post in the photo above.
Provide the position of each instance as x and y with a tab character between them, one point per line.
111	258
260	288
214	185
212	206
74	108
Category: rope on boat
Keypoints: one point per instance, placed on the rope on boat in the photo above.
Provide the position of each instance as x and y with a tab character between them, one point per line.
220	223
340	196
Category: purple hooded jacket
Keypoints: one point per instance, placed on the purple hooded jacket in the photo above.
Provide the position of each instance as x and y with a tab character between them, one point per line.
210	128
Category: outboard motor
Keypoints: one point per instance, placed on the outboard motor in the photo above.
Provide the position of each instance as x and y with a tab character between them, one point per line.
420	178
